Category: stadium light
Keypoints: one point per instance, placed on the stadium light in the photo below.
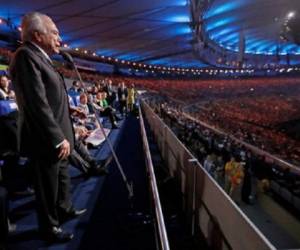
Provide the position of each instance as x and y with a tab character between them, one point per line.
291	14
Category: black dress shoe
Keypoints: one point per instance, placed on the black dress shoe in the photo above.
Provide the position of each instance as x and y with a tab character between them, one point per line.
71	214
56	235
76	213
114	126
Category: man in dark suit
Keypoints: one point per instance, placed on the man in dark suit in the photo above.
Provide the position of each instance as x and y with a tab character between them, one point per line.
122	96
45	128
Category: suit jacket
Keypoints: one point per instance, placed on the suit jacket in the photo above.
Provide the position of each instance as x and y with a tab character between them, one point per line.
44	117
122	93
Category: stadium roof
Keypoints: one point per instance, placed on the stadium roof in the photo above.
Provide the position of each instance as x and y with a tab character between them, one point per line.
162	32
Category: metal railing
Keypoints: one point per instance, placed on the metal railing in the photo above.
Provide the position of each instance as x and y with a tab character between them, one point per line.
162	241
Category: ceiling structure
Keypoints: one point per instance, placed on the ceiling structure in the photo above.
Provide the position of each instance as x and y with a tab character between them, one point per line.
166	32
259	21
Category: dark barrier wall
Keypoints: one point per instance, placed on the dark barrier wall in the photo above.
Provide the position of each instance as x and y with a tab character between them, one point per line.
208	208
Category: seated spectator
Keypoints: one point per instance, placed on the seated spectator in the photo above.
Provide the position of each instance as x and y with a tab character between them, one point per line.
5	92
76	87
106	110
81	132
90	121
9	152
76	112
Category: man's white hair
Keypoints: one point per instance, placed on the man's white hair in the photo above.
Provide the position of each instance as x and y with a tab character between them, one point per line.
31	23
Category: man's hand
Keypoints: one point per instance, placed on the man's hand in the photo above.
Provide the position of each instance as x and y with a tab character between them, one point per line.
64	150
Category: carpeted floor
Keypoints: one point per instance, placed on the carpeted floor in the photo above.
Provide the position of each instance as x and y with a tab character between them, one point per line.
85	193
116	222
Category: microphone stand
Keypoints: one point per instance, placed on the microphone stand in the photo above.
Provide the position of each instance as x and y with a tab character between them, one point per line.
67	57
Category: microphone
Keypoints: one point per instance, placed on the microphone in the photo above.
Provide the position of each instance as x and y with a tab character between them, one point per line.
67	57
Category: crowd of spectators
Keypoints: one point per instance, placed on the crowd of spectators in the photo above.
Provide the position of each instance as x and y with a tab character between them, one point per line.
5	55
257	121
240	171
250	109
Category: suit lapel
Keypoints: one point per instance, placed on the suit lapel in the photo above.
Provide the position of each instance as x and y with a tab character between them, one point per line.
45	60
40	54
